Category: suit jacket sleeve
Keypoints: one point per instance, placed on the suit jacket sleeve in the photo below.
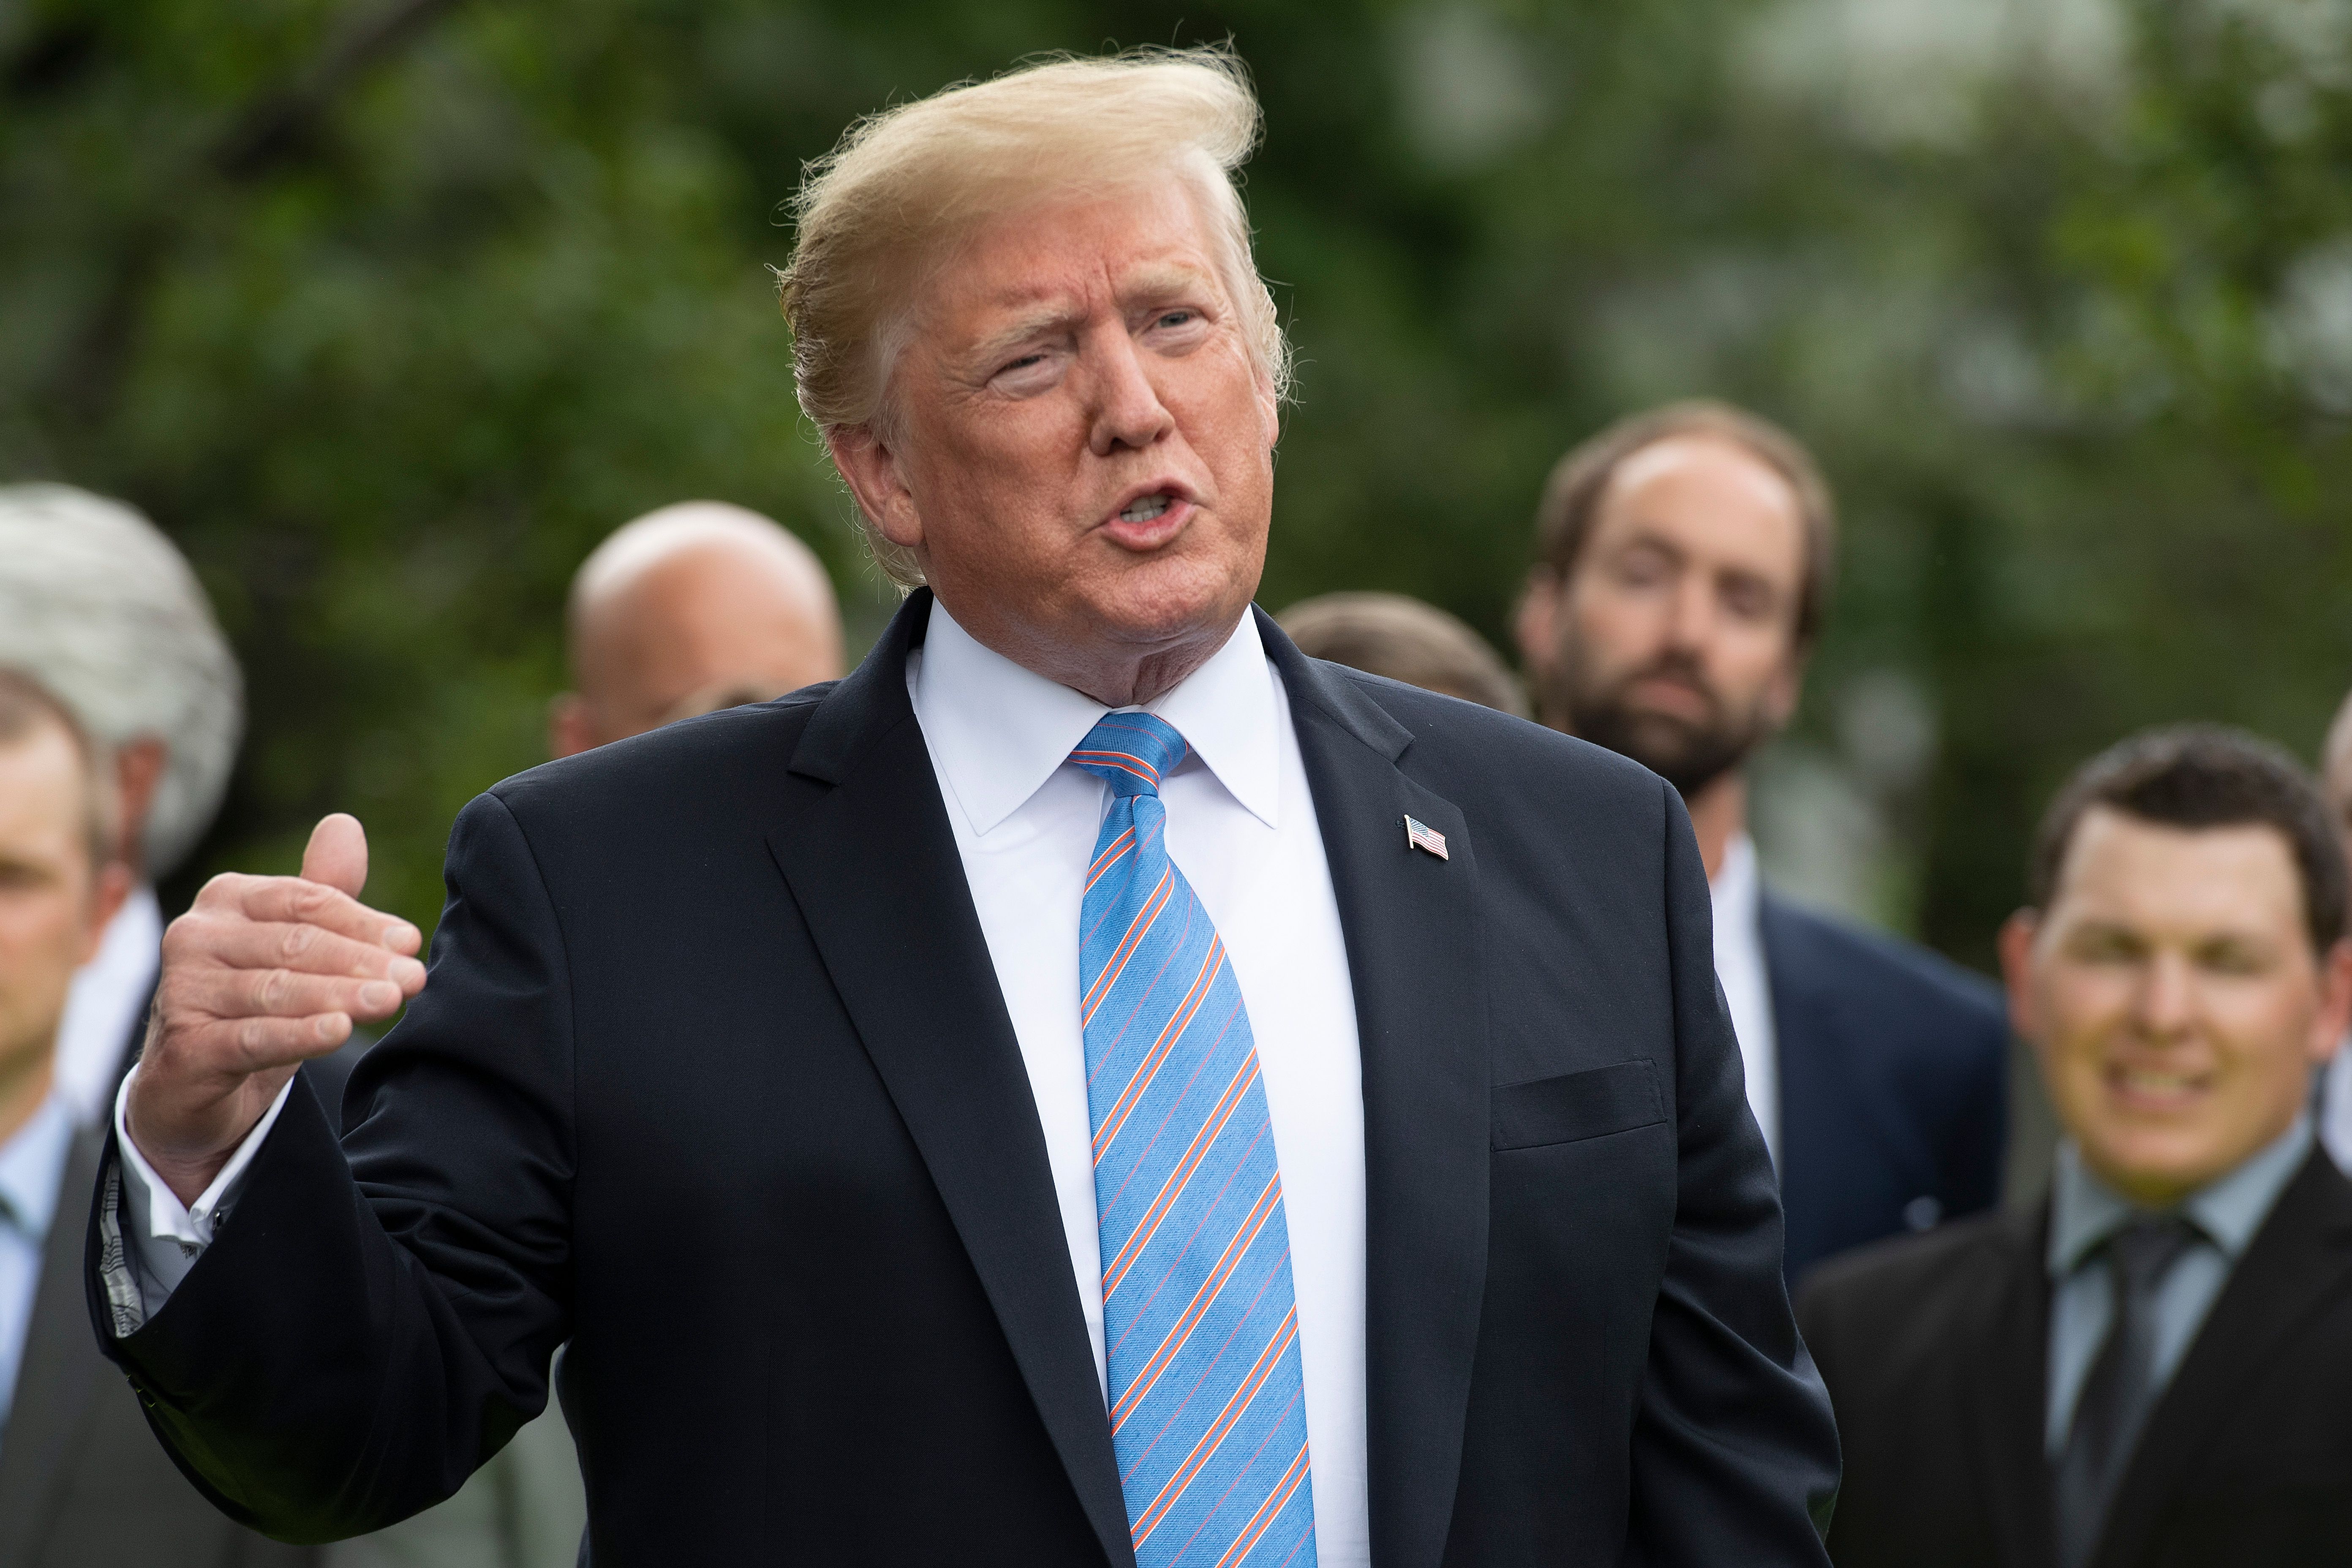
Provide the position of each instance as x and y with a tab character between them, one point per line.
1732	1409
364	1331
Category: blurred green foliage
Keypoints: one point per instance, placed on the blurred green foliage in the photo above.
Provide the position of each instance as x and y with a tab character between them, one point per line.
389	309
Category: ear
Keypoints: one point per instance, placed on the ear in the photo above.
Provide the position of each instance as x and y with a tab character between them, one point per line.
111	886
1270	410
139	766
1787	689
2016	944
571	726
877	479
2335	1016
1537	622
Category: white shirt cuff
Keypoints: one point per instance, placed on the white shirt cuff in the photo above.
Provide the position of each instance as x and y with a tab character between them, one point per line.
167	1236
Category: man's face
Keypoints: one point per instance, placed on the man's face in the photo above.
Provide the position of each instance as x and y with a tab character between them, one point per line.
1673	640
1084	462
2173	997
52	910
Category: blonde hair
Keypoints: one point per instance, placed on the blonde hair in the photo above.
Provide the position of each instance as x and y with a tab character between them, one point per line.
880	210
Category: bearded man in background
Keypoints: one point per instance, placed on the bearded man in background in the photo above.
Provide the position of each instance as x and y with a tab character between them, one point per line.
1685	557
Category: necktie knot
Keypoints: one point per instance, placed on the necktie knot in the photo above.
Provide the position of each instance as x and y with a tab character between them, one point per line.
1133	751
2144	1252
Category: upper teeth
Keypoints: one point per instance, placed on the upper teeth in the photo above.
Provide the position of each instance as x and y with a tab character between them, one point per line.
1144	511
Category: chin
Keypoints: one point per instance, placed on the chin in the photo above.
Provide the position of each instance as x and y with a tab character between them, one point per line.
2162	1165
1164	601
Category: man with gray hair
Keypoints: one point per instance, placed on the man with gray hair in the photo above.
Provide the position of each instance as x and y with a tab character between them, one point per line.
97	608
1092	1086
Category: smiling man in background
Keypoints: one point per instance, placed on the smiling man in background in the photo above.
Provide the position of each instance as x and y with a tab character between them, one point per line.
2154	1367
1683	564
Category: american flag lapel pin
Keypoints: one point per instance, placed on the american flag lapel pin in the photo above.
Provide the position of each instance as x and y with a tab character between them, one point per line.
1420	836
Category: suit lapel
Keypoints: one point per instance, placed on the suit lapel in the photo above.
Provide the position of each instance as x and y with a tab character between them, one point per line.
2004	1402
1410	922
1834	1091
873	865
59	1378
2298	1262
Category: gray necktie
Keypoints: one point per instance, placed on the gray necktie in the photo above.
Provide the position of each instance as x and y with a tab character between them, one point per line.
2121	1386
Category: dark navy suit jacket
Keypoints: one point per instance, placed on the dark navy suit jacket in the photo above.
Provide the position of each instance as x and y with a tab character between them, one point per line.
713	1077
1894	1084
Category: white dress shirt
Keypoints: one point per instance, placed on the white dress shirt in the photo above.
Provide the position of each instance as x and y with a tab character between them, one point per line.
32	1168
1747	987
1242	826
108	994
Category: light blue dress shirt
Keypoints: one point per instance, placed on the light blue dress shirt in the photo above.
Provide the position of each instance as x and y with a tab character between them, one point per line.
2085	1211
32	1168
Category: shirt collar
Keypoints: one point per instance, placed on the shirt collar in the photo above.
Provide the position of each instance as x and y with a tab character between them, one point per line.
2227	1211
1000	730
33	1167
1738	889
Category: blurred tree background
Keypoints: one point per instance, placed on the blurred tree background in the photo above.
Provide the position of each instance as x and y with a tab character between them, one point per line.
388	309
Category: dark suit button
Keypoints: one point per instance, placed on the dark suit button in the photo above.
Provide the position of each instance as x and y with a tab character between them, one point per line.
1922	1212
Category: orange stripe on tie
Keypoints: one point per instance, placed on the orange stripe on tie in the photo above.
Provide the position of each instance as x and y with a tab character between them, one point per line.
1136	931
1206	1448
1198	1308
1148	1069
1173	1187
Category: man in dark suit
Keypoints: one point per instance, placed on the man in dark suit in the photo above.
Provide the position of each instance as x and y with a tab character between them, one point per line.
82	1484
2153	1367
1091	1087
1684	563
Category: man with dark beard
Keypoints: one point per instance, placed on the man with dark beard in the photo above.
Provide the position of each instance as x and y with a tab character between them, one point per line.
1684	559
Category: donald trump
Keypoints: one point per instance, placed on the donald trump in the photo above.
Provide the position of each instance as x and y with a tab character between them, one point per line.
1091	1087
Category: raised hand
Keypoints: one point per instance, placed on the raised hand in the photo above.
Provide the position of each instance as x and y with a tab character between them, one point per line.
261	975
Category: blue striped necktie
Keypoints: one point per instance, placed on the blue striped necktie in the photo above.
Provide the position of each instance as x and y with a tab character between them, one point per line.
1206	1404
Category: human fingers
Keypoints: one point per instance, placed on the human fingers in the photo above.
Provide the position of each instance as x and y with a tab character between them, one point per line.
312	950
337	854
200	994
299	900
196	1053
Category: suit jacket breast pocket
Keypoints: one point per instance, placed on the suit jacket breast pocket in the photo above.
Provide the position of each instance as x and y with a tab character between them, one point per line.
1578	1105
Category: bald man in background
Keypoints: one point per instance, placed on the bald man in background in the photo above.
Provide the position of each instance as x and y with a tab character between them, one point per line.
689	609
695	608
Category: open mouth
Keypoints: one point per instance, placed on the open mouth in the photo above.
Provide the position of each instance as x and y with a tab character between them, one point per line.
1146	508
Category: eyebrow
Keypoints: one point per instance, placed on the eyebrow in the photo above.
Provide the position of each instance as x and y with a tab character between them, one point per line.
1150	281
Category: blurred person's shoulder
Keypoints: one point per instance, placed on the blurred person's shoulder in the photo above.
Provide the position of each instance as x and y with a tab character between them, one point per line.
1806	947
1883	1310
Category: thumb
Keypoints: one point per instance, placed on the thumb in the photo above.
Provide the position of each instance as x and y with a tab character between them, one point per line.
338	854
